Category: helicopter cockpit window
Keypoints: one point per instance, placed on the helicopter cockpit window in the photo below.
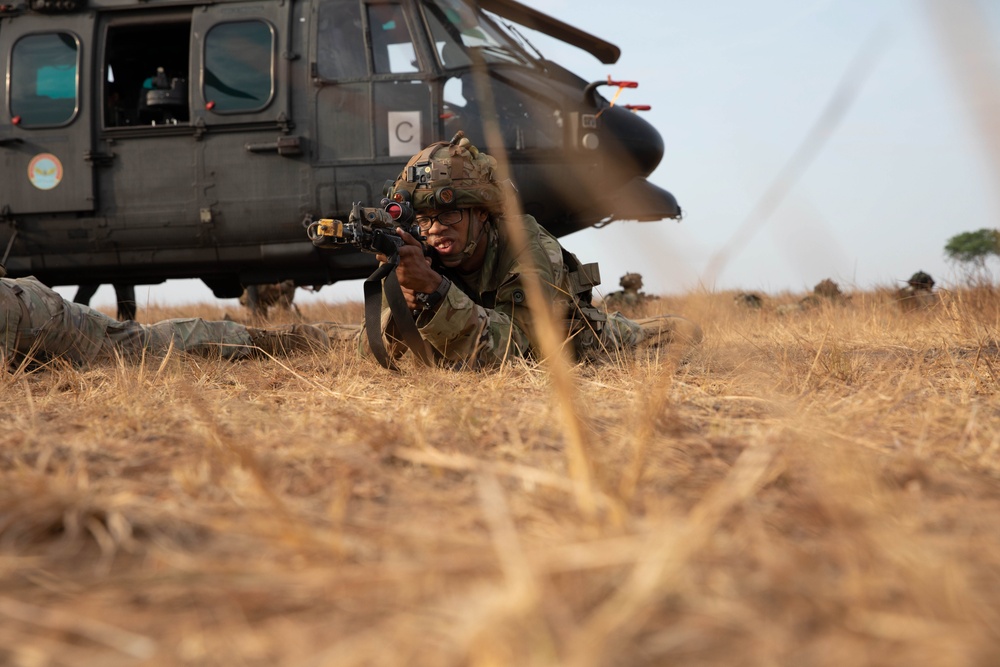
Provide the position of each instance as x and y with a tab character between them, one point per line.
527	118
43	79
239	66
392	45
341	45
457	29
146	74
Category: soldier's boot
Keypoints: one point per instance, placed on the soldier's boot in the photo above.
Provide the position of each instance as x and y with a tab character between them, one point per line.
289	338
667	329
338	331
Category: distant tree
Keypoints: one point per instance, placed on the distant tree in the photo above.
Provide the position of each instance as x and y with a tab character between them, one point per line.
974	248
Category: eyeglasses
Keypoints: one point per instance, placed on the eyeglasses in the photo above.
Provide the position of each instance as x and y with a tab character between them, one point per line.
446	218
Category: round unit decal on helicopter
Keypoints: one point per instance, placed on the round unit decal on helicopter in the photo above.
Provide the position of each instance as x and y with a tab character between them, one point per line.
45	171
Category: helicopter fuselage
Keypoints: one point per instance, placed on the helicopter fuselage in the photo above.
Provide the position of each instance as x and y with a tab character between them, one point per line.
142	141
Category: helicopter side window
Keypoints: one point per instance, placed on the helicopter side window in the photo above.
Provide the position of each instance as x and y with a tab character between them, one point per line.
392	45
526	119
44	73
459	108
341	45
146	69
457	28
239	66
446	32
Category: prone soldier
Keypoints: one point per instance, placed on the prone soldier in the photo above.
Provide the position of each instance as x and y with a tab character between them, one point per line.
630	293
461	296
918	293
258	299
37	323
826	291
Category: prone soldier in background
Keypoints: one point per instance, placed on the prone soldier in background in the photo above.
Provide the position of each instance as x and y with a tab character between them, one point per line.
37	323
918	293
630	294
462	278
258	299
124	295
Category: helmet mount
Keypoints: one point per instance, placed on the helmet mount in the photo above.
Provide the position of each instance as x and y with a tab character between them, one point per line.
447	175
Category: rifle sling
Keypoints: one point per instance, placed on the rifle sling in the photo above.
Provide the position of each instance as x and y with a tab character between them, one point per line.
373	316
384	280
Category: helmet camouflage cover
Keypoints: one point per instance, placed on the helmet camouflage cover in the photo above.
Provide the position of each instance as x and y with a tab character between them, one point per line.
448	175
631	281
921	280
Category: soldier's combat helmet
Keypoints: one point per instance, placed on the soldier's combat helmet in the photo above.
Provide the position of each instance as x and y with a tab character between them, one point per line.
921	281
631	282
448	175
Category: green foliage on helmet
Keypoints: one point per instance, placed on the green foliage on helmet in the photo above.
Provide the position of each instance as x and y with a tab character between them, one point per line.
448	175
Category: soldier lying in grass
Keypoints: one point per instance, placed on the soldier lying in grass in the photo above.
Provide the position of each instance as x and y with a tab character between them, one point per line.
36	322
465	281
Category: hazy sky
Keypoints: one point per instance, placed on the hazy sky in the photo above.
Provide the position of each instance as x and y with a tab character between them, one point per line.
735	88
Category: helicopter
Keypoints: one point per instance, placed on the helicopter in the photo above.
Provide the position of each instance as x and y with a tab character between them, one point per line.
146	140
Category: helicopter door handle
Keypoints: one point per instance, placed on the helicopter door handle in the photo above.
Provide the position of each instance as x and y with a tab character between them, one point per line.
99	159
283	146
11	141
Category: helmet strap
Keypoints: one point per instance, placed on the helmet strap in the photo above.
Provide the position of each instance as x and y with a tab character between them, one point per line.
470	248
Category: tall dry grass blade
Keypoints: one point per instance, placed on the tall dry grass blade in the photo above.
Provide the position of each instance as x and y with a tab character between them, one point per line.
520	578
647	407
166	360
520	602
987	363
30	402
529	476
129	643
549	333
660	562
815	361
971	53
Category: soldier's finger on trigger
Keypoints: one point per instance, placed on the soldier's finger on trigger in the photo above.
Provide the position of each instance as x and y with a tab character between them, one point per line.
407	237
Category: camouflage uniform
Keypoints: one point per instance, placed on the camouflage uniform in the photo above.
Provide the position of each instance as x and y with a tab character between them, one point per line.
484	317
35	321
630	294
280	294
918	293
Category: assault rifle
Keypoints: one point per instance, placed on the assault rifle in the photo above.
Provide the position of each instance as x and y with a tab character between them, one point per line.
373	229
369	229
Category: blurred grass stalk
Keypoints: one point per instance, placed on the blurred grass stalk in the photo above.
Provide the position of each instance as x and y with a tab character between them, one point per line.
970	53
550	336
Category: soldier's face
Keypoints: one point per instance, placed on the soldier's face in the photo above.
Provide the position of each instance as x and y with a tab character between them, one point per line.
449	234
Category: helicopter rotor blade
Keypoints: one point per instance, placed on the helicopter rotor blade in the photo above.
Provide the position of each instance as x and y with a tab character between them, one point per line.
604	51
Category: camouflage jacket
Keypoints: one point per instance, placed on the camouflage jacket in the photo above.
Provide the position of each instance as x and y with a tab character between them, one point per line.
484	317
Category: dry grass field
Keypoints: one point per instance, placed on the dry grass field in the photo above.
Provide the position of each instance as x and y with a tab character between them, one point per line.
816	488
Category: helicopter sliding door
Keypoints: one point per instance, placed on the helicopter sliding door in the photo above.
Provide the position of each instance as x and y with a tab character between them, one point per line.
149	153
189	95
253	152
45	138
